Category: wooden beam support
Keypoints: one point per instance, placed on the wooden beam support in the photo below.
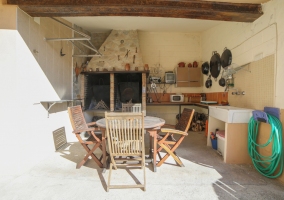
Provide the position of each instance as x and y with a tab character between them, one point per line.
193	9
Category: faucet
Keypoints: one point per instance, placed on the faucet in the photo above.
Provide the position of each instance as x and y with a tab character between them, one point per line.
238	92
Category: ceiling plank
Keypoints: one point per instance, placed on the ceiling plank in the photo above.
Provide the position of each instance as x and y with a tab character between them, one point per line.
147	8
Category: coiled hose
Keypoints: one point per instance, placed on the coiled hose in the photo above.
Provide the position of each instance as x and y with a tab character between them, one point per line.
269	166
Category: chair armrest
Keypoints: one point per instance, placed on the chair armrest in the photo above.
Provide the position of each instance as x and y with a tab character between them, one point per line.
91	123
83	130
168	126
173	131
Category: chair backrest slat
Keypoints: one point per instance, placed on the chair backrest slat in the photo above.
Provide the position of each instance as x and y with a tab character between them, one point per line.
130	107
125	133
77	118
185	120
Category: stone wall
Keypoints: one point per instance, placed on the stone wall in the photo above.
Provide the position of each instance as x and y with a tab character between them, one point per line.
120	47
99	38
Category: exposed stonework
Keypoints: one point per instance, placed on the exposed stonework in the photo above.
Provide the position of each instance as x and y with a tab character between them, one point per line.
114	52
99	38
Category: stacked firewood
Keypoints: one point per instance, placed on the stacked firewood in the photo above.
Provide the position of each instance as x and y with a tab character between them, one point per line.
198	122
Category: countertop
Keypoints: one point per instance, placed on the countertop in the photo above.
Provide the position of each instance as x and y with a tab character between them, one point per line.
167	103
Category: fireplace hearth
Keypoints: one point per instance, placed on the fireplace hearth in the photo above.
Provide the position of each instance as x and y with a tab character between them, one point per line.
127	87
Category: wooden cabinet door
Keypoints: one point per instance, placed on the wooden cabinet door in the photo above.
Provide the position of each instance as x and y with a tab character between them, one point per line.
182	77
195	77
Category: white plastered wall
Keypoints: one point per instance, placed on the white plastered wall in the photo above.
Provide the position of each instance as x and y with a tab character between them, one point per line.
162	52
27	78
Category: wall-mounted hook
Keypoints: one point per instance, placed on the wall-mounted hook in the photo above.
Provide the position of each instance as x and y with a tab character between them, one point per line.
61	54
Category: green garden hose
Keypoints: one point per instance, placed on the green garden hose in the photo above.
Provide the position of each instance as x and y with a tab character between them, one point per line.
270	166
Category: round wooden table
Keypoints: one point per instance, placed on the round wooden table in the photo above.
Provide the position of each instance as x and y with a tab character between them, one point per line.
151	124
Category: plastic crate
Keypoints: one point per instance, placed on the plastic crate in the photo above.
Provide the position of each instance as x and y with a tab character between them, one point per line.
221	142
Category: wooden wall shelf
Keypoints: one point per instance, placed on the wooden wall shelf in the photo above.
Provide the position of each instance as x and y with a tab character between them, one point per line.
115	72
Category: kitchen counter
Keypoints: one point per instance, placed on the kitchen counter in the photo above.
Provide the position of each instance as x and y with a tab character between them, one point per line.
167	103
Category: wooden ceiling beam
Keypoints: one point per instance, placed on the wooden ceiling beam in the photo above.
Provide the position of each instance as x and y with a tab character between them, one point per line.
193	9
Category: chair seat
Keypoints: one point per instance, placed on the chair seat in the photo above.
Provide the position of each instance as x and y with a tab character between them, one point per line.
169	138
92	139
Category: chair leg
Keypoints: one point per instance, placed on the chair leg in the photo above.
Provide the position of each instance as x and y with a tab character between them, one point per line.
109	177
144	171
90	153
169	152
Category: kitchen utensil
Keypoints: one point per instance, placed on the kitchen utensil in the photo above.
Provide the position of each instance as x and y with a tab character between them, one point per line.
189	65
181	64
195	64
226	58
215	65
222	81
208	82
205	68
77	72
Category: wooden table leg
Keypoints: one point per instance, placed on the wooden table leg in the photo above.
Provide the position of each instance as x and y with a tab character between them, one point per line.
153	134
104	150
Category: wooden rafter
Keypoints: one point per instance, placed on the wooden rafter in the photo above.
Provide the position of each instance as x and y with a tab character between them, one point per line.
208	10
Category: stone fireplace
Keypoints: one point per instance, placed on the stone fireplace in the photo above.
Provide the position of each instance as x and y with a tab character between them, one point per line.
106	78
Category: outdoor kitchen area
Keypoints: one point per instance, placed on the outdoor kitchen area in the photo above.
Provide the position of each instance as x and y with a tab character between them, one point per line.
137	99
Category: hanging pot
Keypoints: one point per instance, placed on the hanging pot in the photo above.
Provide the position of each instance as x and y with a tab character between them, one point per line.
222	81
226	58
208	82
205	68
215	65
195	64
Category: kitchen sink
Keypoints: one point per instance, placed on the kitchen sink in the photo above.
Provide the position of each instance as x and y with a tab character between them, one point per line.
230	114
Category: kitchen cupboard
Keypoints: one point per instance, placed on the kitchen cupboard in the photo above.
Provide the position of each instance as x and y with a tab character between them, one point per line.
188	77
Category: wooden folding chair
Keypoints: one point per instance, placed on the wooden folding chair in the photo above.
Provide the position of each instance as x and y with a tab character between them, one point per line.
168	142
80	126
130	107
125	134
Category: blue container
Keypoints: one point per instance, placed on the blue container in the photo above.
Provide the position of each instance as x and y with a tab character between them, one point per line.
214	143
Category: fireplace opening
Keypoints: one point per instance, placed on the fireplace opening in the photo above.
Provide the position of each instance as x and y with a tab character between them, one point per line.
127	89
97	92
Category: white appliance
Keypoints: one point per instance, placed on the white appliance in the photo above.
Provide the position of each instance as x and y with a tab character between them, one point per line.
177	98
170	77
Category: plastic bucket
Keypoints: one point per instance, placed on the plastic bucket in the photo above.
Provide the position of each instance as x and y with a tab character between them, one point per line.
214	143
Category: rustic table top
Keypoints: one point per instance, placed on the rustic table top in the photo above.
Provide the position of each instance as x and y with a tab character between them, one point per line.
149	122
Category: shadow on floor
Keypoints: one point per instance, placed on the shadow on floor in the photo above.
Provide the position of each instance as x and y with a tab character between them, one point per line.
74	152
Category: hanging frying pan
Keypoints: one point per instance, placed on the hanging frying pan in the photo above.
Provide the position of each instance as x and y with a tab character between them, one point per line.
226	58
205	68
222	81
215	65
208	82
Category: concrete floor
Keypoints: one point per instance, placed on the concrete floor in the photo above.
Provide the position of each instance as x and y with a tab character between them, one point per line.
205	176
